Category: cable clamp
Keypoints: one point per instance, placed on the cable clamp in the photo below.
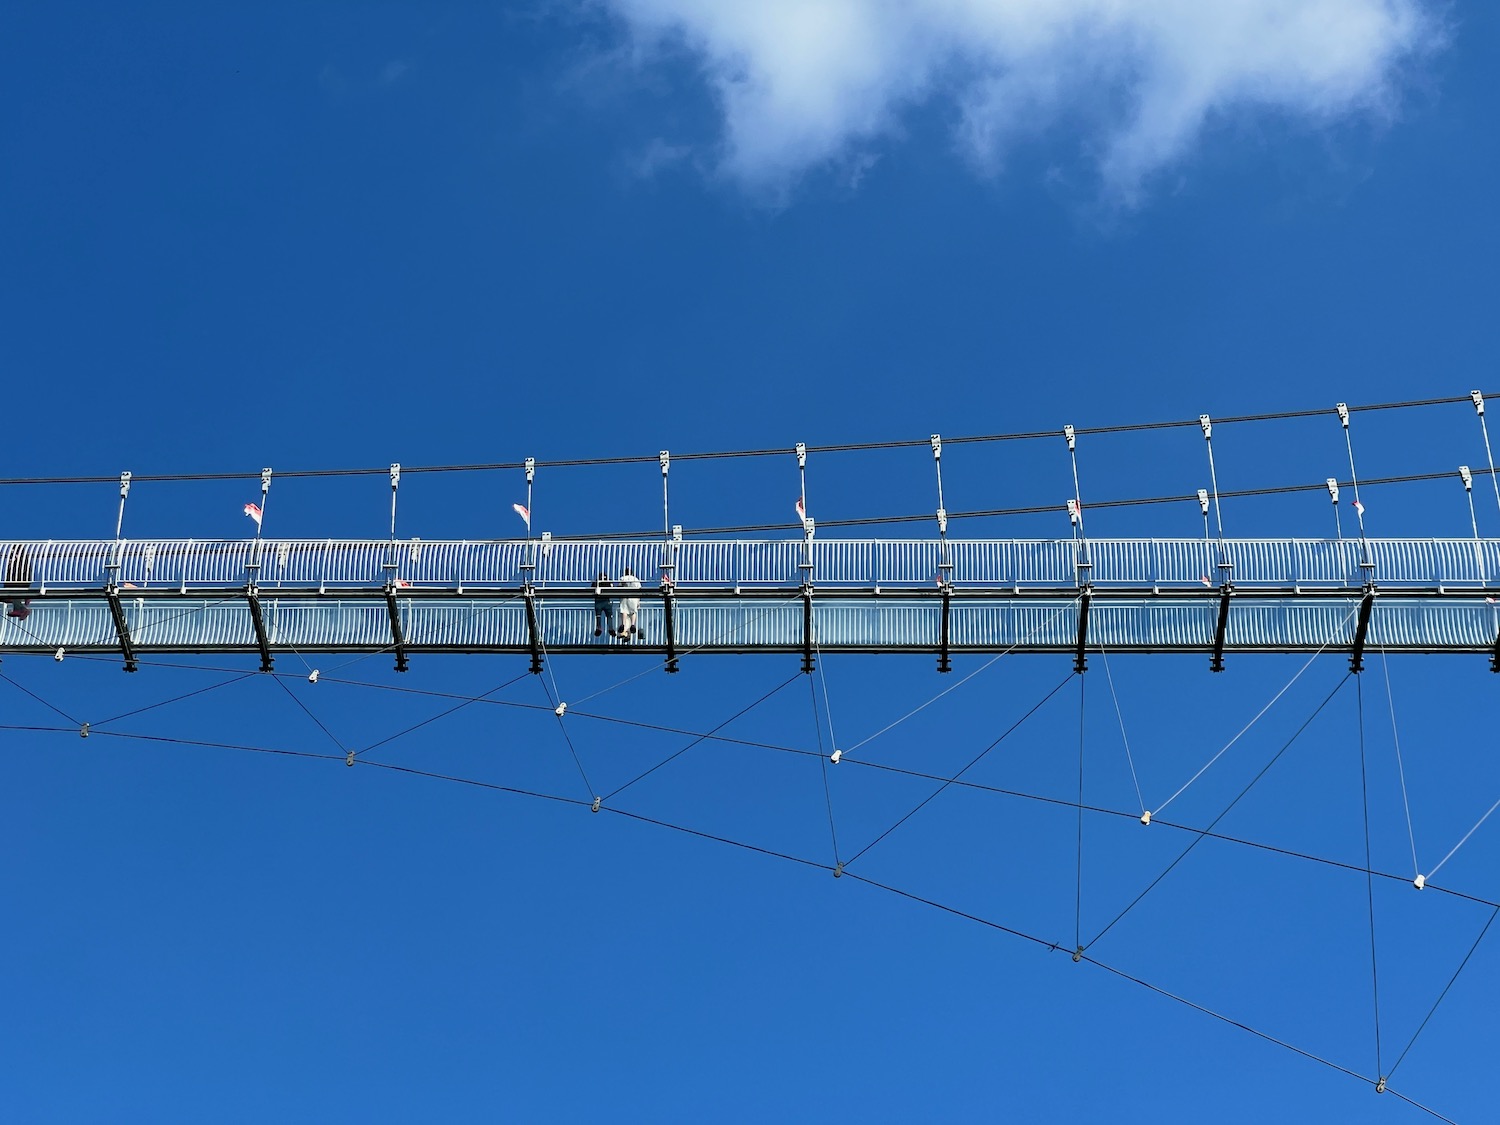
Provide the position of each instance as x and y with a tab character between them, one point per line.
1465	476
1478	402
83	731
1333	489
1380	1086
838	870
595	806
1203	500
1208	426
1078	955
312	677
58	655
124	485
835	756
1343	413
1146	817
942	520
349	758
1419	882
937	447
1073	512
265	481
530	467
666	459
1069	434
560	710
801	452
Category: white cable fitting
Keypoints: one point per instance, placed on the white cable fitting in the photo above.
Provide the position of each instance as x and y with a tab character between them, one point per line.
83	731
1208	426
124	484
1380	1086
666	459
595	806
801	452
808	526
1419	882
530	468
395	474
312	677
1478	401
1465	476
677	533
1146	817
1203	500
560	710
349	758
1343	413
1333	489
942	518
265	481
58	655
835	756
1073	512
1068	433
937	447
1078	955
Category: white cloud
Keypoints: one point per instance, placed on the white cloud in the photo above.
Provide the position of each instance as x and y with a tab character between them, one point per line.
809	83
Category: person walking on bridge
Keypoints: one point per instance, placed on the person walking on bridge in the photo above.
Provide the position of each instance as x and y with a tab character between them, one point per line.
630	607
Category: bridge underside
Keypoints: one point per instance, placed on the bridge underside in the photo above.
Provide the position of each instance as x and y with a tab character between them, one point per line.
796	620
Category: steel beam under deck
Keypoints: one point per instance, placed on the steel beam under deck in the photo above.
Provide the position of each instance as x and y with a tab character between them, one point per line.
944	622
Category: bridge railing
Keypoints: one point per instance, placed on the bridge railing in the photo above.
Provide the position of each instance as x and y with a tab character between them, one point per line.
334	564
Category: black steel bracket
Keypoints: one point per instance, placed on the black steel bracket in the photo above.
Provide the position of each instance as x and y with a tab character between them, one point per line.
1495	655
1221	629
944	663
669	627
252	598
1080	650
533	631
807	630
122	630
1361	630
398	638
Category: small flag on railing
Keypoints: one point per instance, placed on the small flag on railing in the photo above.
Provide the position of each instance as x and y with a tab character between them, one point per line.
522	511
253	511
1359	509
801	510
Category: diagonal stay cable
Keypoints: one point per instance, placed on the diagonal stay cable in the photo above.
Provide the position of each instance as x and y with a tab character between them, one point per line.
718	839
1125	738
1433	1010
442	714
1258	715
702	738
1364	789
348	753
1465	839
1201	836
175	699
1121	814
972	762
1390	701
955	686
557	710
51	707
823	766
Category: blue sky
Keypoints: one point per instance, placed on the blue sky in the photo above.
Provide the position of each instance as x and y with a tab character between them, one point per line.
338	236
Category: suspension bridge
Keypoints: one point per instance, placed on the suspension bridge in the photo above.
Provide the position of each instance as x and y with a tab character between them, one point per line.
800	592
718	591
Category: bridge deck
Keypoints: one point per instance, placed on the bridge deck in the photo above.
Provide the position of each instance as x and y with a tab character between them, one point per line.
736	596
